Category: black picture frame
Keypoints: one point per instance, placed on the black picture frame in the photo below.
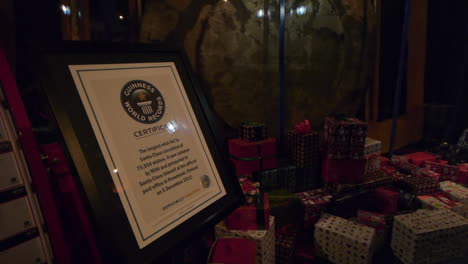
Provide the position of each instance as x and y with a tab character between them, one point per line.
114	234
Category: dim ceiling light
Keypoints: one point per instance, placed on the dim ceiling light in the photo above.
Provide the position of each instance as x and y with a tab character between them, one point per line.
65	9
301	10
260	13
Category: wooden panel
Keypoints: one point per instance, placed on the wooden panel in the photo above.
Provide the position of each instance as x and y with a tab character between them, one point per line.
410	125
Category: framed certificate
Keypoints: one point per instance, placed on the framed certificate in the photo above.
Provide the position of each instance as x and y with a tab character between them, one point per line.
142	141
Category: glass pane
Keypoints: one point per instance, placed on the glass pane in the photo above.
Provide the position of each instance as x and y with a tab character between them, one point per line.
233	47
330	49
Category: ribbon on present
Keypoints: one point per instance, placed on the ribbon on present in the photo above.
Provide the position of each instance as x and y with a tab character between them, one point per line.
303	127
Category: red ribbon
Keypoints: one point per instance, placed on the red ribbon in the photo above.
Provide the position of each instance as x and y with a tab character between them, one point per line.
303	127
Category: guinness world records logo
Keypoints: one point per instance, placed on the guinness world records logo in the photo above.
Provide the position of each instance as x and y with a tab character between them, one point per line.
142	101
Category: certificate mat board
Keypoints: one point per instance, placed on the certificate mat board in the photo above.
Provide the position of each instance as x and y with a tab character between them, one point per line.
143	144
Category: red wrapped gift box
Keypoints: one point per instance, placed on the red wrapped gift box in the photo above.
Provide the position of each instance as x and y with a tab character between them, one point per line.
250	157
245	217
313	201
389	170
233	251
463	173
447	172
386	201
343	171
345	138
427	172
418	158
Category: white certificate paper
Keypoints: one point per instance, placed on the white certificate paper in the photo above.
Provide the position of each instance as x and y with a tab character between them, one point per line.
152	143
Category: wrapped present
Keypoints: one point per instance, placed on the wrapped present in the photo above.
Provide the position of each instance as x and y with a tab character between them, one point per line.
283	177
314	202
428	173
286	208
372	147
372	164
285	244
418	158
303	149
447	172
385	200
439	201
429	236
265	240
252	131
305	254
250	217
343	171
250	189
418	185
372	181
233	251
388	169
380	222
374	220
250	157
343	241
398	160
307	178
463	173
345	138
384	161
456	191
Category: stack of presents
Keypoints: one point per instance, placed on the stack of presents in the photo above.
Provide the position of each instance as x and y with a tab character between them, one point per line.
337	199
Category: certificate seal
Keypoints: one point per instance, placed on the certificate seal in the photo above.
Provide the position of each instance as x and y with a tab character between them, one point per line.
205	181
142	101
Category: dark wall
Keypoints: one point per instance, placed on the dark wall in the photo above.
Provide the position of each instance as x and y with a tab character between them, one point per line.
446	85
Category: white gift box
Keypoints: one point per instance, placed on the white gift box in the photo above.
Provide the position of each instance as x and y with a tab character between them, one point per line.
265	239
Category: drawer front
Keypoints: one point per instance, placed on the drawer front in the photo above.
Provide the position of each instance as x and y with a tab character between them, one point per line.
15	217
29	252
10	175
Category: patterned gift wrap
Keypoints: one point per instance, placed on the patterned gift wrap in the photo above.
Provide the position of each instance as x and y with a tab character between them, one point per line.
265	239
456	191
345	138
429	236
285	242
388	169
283	177
373	180
418	158
252	131
398	160
428	173
439	201
418	185
372	164
313	201
344	241
380	222
303	149
447	172
372	147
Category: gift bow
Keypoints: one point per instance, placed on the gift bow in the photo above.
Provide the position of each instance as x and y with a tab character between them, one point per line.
303	127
